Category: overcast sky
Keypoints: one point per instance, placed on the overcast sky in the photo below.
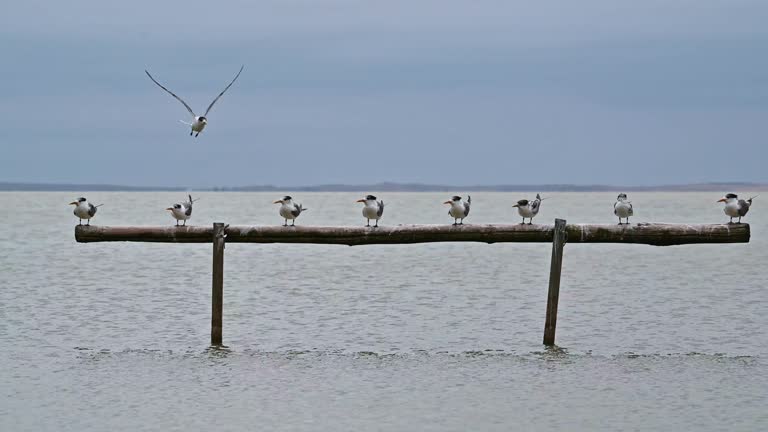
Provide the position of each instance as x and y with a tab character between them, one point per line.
359	91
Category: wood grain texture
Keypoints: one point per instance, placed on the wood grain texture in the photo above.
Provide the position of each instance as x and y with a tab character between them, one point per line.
651	234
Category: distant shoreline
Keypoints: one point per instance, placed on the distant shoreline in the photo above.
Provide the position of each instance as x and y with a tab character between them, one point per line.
389	187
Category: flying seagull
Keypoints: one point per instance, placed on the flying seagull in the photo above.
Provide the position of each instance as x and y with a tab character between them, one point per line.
372	209
528	209
84	209
623	208
198	122
182	211
735	207
289	210
459	209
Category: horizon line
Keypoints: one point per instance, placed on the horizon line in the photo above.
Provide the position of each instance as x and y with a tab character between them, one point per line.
381	187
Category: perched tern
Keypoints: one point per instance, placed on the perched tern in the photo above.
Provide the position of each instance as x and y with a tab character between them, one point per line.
182	211
528	209
735	207
289	210
372	209
459	209
84	210
198	122
623	208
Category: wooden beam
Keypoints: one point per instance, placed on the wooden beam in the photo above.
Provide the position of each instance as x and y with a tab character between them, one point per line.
550	322
217	297
651	234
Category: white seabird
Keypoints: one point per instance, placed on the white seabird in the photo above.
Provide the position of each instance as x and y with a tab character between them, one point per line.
372	209
289	210
735	207
198	122
623	208
84	210
459	209
182	211
528	209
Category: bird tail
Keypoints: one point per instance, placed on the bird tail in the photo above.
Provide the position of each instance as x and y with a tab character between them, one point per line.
186	123
750	200
469	199
98	205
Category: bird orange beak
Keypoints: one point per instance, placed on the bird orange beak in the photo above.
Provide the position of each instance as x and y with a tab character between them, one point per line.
279	202
73	203
360	200
447	202
169	208
722	200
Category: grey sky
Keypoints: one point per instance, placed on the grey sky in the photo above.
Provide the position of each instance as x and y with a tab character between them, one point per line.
351	91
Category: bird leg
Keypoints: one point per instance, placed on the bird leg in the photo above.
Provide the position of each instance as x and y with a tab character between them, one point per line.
530	221
197	134
88	223
286	223
368	222
293	222
739	220
190	133
377	224
185	222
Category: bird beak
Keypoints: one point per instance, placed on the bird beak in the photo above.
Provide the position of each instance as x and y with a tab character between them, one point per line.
279	202
722	200
169	208
360	200
73	203
447	202
516	205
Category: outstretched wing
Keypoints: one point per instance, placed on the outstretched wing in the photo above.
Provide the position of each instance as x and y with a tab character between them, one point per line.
222	92
381	208
171	93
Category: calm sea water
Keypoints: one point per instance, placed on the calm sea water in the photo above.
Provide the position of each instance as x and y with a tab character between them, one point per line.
113	336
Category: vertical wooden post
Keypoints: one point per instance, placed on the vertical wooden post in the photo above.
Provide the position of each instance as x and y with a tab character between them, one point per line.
217	297
558	241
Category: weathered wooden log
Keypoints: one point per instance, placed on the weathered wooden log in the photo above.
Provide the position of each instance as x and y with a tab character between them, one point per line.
642	233
217	294
553	294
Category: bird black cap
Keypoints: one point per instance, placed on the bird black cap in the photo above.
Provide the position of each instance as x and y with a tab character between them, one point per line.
731	195
370	197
